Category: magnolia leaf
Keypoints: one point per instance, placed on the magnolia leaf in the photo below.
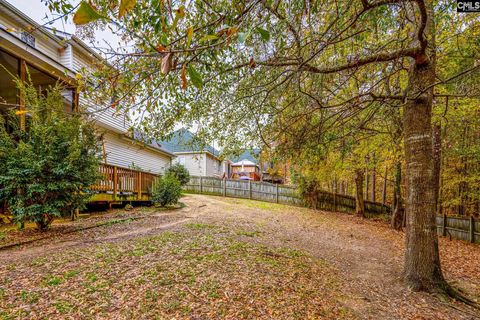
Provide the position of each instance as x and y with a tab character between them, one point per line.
263	33
242	37
166	63
164	40
189	36
125	7
209	37
183	76
160	48
85	14
180	12
231	31
195	77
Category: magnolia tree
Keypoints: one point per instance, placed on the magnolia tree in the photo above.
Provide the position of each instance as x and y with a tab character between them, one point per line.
45	169
289	74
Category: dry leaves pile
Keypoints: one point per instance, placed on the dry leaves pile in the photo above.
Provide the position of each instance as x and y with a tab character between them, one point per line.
200	271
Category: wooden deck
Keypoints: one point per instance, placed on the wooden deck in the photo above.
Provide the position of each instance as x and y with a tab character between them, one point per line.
122	184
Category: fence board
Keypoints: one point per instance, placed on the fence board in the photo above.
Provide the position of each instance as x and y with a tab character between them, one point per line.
269	192
458	228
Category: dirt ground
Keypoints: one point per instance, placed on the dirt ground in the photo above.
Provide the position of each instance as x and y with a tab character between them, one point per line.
224	258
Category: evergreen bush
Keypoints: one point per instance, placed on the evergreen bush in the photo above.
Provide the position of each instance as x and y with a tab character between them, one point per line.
46	168
180	172
166	190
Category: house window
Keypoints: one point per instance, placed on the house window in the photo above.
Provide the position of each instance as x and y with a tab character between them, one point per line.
181	160
28	38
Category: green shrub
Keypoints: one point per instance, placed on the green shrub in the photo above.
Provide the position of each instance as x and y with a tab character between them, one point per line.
166	190
46	169
180	172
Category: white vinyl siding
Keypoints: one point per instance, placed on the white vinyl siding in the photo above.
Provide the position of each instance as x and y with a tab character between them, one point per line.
200	164
106	117
123	152
213	167
195	163
42	43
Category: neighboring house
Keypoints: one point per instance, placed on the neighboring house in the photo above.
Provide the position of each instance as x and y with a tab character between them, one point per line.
255	162
28	49
199	158
246	165
245	170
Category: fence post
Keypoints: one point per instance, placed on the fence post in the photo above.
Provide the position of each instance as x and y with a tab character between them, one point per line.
276	193
115	182
249	189
139	185
472	229
444	227
201	184
224	187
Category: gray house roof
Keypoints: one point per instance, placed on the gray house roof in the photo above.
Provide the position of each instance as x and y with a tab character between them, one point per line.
250	155
139	136
183	140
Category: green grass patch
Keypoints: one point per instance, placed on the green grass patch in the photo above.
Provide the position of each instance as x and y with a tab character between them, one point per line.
52	281
114	221
200	226
249	233
63	306
29	297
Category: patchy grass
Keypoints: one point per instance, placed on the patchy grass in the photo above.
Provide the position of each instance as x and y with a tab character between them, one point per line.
200	226
249	233
199	271
114	221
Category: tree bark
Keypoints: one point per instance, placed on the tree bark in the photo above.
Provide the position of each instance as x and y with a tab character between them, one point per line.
384	189
374	186
359	203
367	184
422	259
398	211
437	158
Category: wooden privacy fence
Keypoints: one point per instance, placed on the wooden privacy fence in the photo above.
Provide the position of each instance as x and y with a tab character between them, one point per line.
265	191
463	228
120	181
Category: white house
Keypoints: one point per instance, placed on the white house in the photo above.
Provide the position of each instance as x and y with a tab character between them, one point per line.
48	57
199	158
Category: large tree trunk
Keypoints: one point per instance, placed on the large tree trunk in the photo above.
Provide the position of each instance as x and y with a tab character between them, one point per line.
367	184
437	159
398	211
422	259
374	185
359	203
384	188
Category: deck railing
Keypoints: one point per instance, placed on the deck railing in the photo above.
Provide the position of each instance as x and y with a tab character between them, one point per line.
122	181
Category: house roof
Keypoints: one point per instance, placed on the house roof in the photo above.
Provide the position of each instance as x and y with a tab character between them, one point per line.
250	155
244	162
140	137
183	140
